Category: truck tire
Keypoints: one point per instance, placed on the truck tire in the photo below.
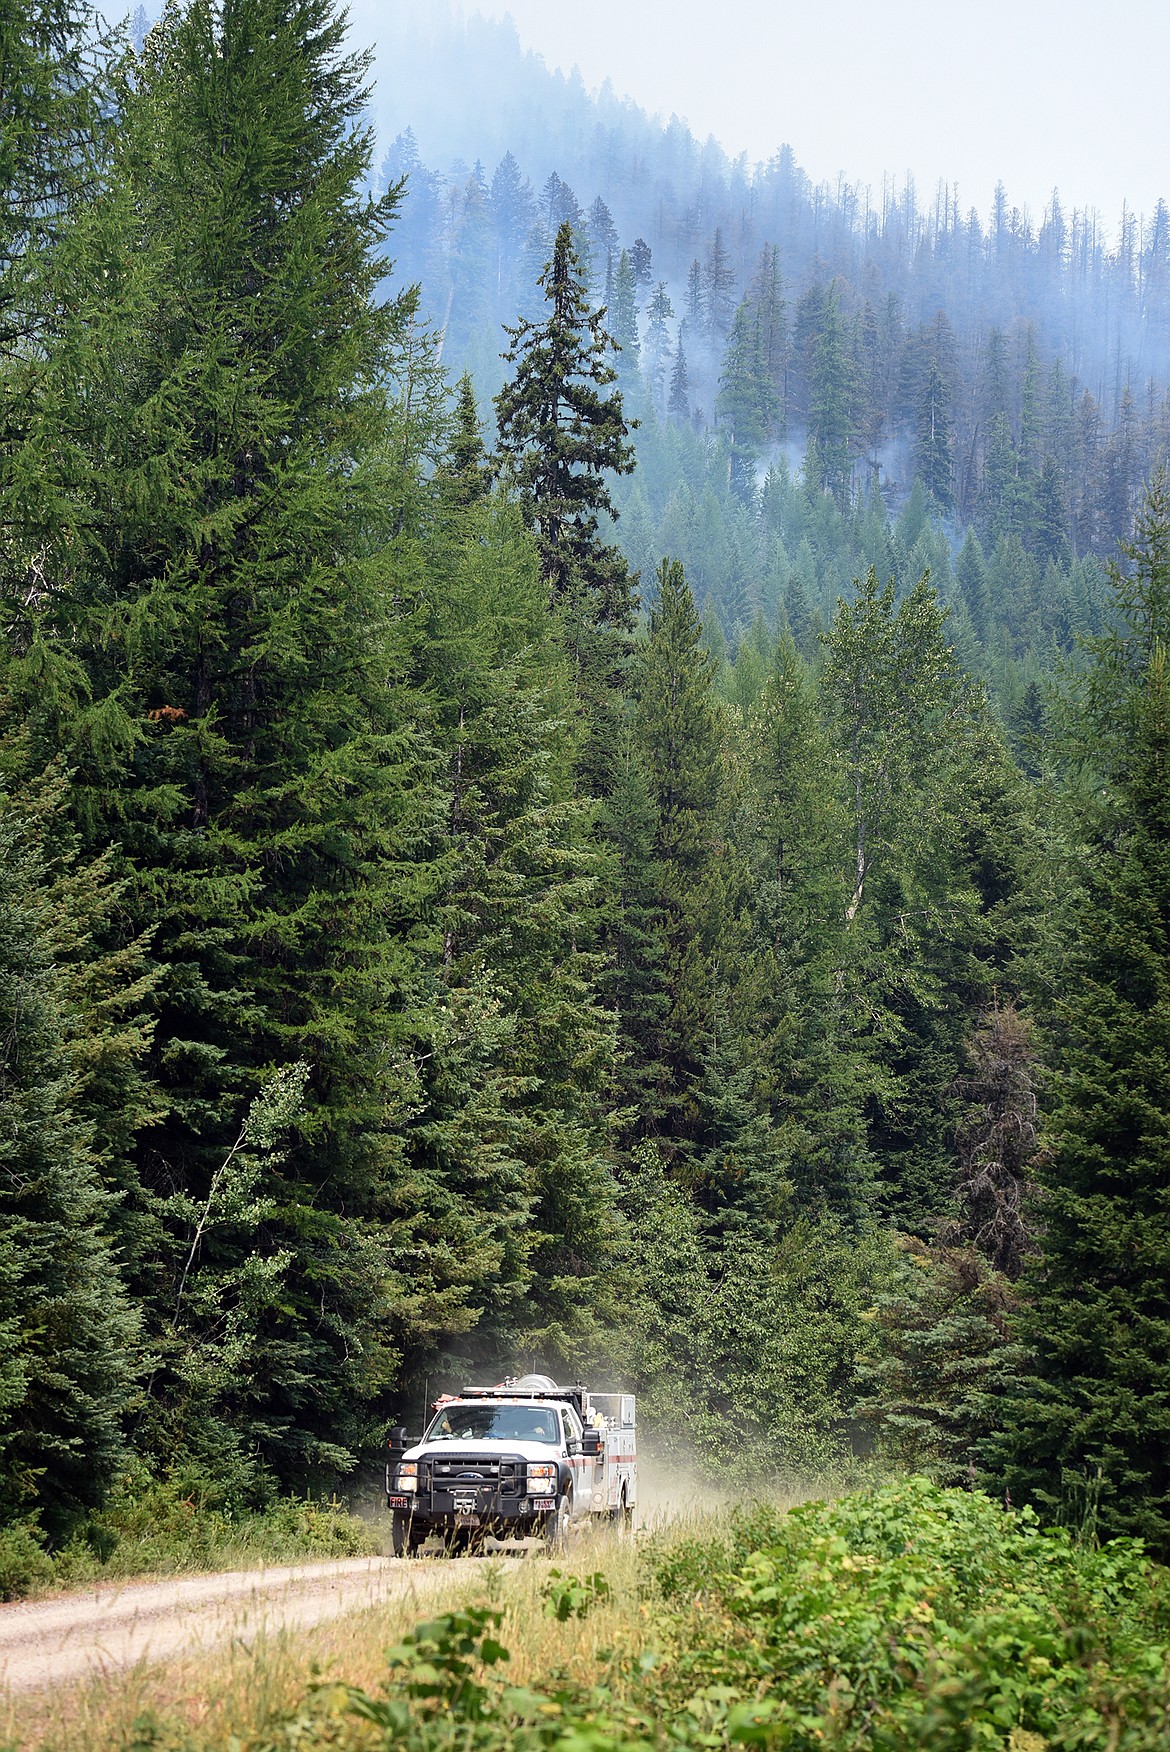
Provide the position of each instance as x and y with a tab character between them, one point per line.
623	1517
405	1537
559	1523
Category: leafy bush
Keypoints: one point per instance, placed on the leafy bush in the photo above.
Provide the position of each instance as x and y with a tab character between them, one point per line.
24	1562
916	1616
568	1597
908	1619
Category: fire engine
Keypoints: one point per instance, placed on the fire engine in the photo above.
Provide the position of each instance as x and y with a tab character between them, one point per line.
522	1460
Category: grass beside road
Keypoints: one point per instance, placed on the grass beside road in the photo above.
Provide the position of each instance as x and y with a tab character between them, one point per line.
904	1617
241	1695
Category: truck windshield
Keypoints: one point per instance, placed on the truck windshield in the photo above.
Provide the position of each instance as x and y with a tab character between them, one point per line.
514	1423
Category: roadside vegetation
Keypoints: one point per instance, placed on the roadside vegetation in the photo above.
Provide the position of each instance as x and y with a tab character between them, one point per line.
908	1616
149	1527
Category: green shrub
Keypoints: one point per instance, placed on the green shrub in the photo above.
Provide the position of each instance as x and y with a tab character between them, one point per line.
164	1526
916	1616
24	1562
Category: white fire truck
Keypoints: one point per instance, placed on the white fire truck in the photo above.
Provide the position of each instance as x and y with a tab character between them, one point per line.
520	1460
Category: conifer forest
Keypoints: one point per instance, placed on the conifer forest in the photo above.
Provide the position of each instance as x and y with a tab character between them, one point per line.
584	738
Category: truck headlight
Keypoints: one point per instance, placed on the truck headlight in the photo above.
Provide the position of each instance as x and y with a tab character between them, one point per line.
406	1477
542	1481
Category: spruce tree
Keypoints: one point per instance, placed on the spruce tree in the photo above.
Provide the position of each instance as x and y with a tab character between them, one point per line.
70	1335
677	730
507	1144
679	406
250	740
1087	1433
623	319
562	431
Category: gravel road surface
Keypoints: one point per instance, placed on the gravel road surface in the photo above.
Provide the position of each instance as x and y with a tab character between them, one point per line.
52	1642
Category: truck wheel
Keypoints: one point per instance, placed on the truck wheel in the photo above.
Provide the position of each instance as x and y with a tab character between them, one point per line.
622	1517
405	1537
559	1523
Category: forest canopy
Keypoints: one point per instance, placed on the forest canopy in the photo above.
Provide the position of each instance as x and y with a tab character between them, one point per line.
670	882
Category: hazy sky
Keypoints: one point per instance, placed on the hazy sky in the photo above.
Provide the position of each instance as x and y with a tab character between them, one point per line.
1067	94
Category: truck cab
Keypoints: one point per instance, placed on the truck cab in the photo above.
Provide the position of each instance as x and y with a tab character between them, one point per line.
522	1460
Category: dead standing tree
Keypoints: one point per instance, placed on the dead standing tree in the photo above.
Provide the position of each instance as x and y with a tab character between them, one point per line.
996	1141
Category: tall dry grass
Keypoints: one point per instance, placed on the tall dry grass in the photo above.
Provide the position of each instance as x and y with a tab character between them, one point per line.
223	1698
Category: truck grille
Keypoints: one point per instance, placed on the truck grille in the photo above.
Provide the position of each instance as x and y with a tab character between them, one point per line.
473	1470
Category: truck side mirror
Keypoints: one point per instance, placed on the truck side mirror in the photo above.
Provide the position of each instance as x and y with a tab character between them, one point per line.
591	1443
397	1440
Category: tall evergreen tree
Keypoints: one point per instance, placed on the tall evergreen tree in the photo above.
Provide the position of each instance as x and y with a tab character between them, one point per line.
54	128
251	746
623	318
660	312
70	1335
562	432
1087	1433
680	389
677	730
830	423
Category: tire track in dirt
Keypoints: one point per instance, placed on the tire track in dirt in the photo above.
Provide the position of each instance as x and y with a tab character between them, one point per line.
76	1636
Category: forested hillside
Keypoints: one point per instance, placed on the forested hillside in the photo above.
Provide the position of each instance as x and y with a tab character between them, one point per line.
1012	367
436	937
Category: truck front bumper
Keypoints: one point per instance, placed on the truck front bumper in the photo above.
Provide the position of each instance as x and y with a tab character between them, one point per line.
482	1509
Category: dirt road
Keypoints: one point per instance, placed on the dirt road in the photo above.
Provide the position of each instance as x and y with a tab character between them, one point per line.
53	1642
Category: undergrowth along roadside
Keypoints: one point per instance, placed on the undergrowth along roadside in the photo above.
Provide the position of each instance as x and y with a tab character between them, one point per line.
151	1527
910	1617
